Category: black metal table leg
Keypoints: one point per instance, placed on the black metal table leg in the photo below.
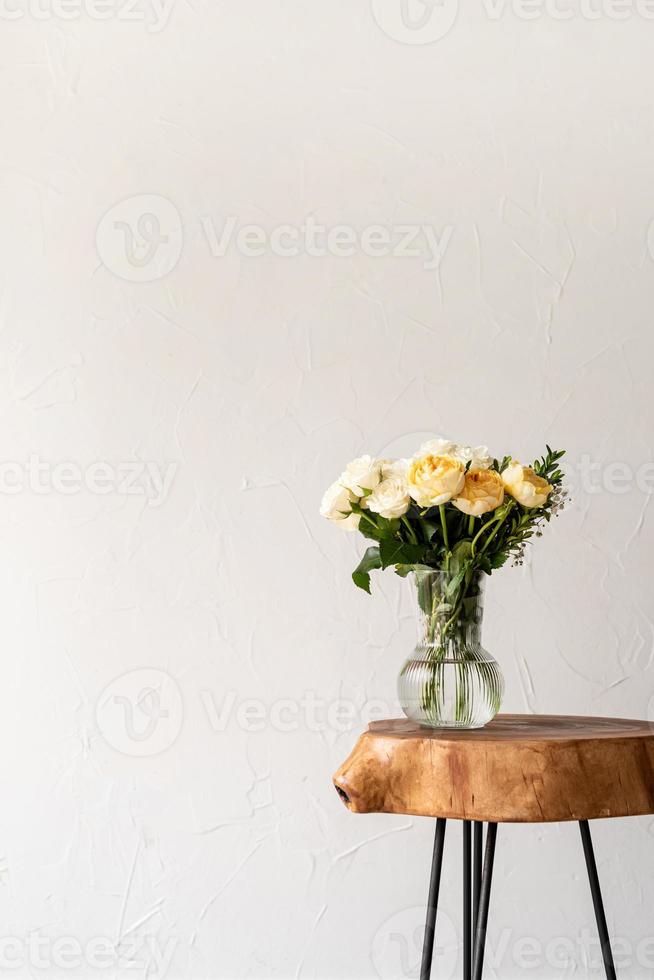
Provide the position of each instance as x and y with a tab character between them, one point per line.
476	873
467	902
476	897
598	905
484	902
432	901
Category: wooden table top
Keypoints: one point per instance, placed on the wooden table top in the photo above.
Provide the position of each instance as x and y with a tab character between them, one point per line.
519	768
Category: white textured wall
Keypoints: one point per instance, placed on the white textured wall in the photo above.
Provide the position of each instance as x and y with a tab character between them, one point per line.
198	829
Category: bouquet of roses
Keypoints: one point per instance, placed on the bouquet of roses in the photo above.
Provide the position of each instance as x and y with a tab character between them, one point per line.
450	515
450	508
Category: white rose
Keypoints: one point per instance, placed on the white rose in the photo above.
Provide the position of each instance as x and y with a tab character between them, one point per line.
395	469
478	457
363	473
437	447
525	486
336	507
389	499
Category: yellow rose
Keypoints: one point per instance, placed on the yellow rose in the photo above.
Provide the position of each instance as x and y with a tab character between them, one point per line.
433	480
483	491
525	486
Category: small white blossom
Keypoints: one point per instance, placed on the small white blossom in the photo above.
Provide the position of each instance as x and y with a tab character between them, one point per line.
395	469
363	473
477	456
389	499
336	507
438	447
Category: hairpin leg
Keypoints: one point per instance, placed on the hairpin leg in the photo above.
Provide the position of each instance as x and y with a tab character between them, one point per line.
467	902
476	872
484	902
432	901
596	892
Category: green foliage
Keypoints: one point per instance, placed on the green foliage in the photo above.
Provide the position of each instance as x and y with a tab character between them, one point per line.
394	551
445	538
361	574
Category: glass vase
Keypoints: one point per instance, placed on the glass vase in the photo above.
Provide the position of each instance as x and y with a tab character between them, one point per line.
450	680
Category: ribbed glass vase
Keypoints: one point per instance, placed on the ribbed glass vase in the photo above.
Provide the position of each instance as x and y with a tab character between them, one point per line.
450	680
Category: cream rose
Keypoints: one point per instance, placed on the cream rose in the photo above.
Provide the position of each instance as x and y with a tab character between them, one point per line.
394	469
390	499
525	486
336	507
477	456
433	480
437	447
363	473
483	490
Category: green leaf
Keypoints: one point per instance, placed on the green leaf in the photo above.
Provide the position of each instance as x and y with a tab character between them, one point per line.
373	527
360	575
389	527
370	532
396	552
404	570
461	553
500	466
431	528
456	580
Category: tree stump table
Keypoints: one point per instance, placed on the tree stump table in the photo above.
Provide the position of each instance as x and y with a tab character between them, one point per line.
518	769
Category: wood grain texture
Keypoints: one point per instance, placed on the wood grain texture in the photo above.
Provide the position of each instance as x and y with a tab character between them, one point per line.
519	769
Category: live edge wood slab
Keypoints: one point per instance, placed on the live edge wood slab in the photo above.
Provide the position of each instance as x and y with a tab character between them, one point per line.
518	769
